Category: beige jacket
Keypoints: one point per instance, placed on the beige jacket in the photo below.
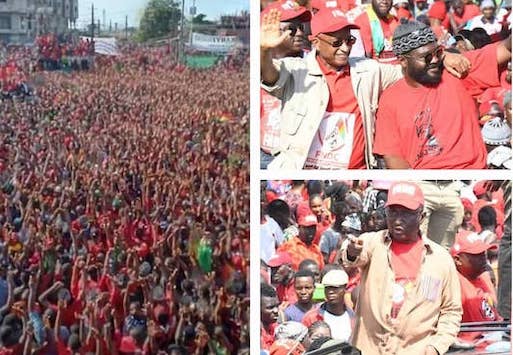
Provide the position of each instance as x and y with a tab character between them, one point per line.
304	93
431	314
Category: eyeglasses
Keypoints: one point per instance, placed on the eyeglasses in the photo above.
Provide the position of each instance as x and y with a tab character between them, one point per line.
428	58
293	28
350	40
392	212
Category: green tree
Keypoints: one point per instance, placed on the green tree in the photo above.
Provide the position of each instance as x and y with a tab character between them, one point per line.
200	19
160	18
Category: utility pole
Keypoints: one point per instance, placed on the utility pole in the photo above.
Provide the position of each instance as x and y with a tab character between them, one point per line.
92	22
98	27
182	43
110	26
104	20
126	27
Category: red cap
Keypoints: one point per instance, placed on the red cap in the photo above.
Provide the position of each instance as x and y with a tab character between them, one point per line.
279	259
467	204
437	10
289	10
330	20
479	188
323	4
307	220
468	242
406	194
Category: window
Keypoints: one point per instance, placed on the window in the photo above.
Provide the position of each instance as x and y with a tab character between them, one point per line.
5	22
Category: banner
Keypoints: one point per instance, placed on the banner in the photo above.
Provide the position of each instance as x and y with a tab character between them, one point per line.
104	45
209	43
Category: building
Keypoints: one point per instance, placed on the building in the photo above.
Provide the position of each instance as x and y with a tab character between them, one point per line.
22	20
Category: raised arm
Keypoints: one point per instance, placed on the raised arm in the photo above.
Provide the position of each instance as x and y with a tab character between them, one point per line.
270	38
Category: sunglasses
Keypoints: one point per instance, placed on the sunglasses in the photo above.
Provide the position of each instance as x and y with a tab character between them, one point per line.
294	27
350	40
428	58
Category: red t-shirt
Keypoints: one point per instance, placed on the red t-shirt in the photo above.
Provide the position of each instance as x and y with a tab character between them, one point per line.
388	26
406	259
435	127
299	251
478	305
343	100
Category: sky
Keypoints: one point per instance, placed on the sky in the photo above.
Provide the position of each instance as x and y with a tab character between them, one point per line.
116	10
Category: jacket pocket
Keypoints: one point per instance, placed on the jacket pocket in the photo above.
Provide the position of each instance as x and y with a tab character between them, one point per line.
294	118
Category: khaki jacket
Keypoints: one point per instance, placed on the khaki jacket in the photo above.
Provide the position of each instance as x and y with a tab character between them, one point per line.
431	314
304	93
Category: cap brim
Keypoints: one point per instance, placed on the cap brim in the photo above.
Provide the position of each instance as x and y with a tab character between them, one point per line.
334	285
304	16
408	203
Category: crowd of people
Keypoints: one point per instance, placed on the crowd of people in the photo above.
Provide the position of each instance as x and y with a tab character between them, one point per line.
124	211
370	84
58	52
384	267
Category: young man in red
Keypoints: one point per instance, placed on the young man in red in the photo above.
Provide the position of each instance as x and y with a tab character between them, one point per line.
302	247
268	315
282	277
435	126
478	296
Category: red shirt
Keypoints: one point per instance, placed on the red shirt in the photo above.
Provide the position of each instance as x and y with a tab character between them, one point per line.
478	304
388	26
343	99
299	251
436	127
267	337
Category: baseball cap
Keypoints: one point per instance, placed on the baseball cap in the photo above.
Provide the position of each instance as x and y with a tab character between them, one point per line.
289	10
307	220
323	4
329	20
437	10
280	258
479	188
468	242
406	194
335	278
486	4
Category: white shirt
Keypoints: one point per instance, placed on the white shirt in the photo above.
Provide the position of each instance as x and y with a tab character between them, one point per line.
271	237
340	325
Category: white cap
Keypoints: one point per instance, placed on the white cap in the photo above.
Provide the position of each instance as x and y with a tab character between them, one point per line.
487	3
335	278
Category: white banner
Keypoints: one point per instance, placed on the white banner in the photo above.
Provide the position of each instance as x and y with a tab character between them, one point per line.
209	43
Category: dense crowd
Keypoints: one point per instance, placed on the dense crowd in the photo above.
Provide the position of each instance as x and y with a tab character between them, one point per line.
124	211
310	292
